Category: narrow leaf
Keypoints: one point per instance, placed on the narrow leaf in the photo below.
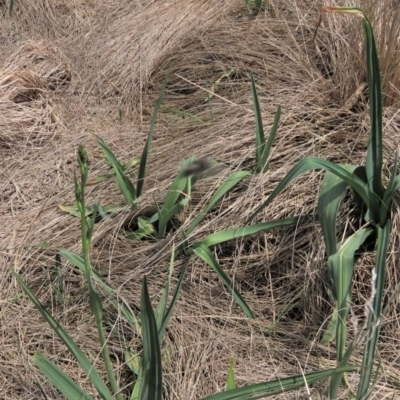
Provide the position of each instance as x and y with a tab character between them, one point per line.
59	379
125	185
374	317
230	382
271	388
230	234
270	141
230	182
146	149
205	254
151	388
313	163
68	341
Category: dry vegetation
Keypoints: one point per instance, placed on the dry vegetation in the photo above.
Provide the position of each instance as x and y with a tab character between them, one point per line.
68	67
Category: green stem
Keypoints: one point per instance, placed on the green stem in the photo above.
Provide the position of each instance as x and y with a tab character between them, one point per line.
95	301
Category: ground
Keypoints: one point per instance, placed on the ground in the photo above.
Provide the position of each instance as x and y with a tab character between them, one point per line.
71	70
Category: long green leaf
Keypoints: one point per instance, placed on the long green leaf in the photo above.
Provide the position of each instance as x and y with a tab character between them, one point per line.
68	341
340	266
374	317
330	196
59	379
230	382
120	303
125	185
151	388
387	197
230	182
374	151
313	163
146	149
270	141
260	137
170	309
271	388
230	234
206	255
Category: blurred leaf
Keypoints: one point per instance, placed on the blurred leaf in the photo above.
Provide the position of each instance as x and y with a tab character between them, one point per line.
125	185
151	388
68	341
282	385
146	149
133	360
206	255
230	182
330	333
394	184
183	113
59	379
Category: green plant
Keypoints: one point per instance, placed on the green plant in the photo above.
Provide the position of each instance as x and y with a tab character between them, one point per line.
254	8
145	368
374	199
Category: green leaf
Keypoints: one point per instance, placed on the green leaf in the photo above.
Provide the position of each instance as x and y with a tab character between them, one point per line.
180	186
162	304
183	113
102	178
282	385
374	317
125	185
271	138
170	309
393	185
230	382
330	196
68	341
260	137
330	333
133	360
59	379
146	230
118	301
205	254
313	163
146	149
151	388
225	236
340	266
230	182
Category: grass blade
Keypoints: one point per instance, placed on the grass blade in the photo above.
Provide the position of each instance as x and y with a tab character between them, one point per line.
260	137
340	266
59	379
313	163
121	304
270	141
205	254
168	313
230	182
146	149
330	196
151	388
230	234
374	151
375	314
68	341
271	388
230	382
162	304
393	185
125	185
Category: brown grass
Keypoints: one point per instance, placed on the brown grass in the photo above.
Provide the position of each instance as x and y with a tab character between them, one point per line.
116	55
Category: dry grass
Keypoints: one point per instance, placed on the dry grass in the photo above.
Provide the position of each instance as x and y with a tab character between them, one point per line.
119	60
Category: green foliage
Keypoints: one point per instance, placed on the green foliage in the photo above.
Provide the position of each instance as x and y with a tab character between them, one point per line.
254	6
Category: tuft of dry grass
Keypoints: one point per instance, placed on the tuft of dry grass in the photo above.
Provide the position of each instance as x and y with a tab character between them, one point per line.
118	61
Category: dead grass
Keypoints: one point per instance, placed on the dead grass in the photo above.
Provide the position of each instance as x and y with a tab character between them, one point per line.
118	61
